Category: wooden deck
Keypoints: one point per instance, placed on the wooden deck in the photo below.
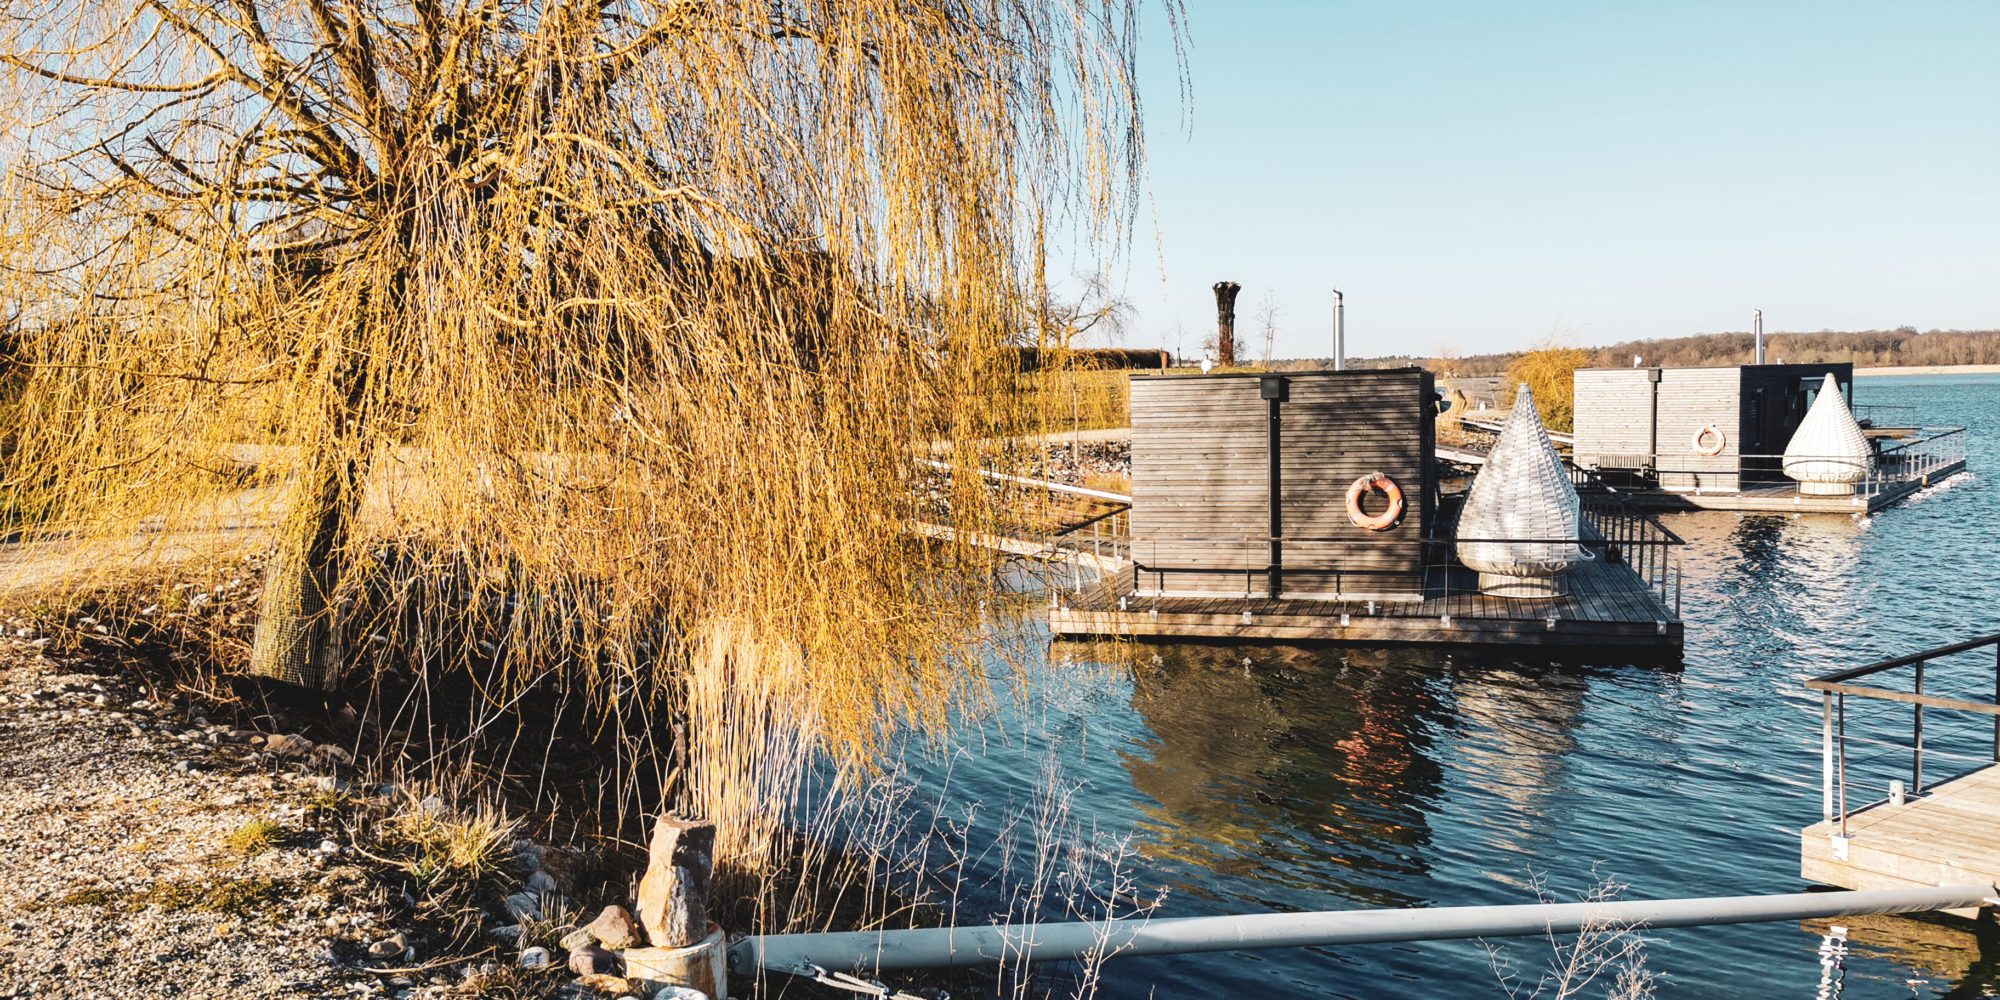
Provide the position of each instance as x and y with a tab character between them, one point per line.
1609	606
1786	498
1948	835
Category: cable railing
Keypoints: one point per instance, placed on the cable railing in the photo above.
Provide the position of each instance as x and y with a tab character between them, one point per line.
1892	463
1626	568
1910	675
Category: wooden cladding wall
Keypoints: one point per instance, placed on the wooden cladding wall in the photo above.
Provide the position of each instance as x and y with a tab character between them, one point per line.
1614	422
1200	482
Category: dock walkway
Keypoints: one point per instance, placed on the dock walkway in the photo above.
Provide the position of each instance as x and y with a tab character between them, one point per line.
1950	835
1943	833
1624	598
1608	606
1910	459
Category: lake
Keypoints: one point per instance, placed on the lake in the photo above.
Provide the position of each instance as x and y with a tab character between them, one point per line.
1330	779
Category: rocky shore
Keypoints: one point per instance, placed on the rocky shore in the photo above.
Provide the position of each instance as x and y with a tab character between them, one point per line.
151	851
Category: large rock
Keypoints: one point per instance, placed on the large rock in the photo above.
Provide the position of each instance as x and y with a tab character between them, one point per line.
616	929
591	960
673	895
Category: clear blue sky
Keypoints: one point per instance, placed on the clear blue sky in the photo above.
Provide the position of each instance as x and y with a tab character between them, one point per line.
1477	176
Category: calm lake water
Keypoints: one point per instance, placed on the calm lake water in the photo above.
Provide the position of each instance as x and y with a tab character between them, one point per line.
1332	779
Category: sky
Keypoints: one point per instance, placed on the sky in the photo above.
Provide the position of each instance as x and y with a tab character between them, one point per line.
1480	176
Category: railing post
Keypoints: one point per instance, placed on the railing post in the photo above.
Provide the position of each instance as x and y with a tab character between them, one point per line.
1996	701
1826	755
1917	740
1840	752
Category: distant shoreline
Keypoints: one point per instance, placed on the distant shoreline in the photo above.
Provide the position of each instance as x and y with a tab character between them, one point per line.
1930	370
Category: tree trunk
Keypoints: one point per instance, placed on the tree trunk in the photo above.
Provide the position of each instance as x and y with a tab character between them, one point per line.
1225	322
297	641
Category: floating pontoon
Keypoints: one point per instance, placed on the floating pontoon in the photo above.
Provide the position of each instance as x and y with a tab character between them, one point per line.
1307	506
1755	437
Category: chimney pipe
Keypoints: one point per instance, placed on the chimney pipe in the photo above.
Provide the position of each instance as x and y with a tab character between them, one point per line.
1759	327
1339	331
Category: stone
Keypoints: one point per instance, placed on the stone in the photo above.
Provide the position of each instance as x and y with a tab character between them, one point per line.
392	946
673	894
616	929
591	960
505	934
524	906
541	881
288	746
679	993
536	958
579	938
607	985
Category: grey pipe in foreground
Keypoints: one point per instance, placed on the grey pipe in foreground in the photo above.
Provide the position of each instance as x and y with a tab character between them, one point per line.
948	947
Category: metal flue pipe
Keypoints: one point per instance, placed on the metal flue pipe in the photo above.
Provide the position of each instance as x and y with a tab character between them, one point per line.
1339	331
1758	325
958	947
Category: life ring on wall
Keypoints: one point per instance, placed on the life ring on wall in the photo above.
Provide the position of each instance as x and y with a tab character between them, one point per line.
1711	432
1366	485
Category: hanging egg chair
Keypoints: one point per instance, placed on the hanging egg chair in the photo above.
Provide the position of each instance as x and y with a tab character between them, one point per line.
1522	492
1828	454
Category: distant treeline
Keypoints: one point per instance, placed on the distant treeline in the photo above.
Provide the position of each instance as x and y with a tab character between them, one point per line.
1901	347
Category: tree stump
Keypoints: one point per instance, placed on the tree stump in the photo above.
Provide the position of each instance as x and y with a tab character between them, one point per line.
673	895
1225	322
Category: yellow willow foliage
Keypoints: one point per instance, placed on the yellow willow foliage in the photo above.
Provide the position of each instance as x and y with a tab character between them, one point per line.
1550	372
618	323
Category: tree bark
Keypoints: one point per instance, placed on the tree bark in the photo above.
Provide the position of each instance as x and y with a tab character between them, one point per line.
297	640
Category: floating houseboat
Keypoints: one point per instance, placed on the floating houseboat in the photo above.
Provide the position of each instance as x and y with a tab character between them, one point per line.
1308	506
1754	437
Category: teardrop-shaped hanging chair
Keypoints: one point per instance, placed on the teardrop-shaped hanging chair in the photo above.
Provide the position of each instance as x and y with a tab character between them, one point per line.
1522	492
1828	454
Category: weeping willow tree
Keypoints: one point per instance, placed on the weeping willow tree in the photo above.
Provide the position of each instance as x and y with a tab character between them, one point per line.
618	322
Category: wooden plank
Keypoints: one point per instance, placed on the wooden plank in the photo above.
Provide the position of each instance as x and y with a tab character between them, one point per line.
1950	834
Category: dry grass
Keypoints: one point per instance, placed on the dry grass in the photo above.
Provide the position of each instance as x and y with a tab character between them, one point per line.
441	846
1109	482
254	837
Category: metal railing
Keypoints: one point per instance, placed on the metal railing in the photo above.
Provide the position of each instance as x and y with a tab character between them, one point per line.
1836	737
1893	463
1922	456
1412	577
1885	414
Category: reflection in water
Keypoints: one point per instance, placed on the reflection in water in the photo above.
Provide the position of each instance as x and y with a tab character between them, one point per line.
1941	959
1520	727
1310	767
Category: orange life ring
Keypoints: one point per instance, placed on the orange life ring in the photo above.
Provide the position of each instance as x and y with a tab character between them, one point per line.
1710	451
1368	484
